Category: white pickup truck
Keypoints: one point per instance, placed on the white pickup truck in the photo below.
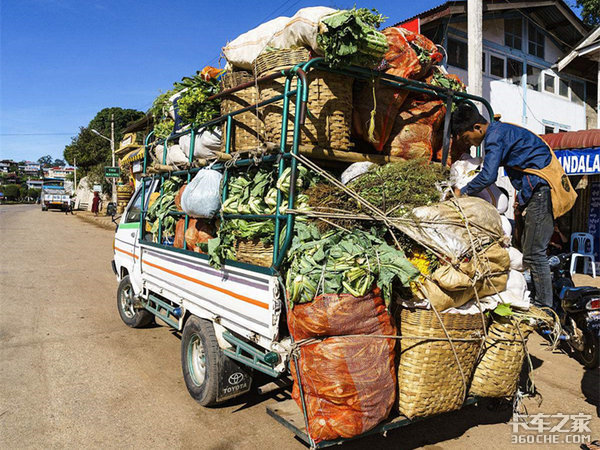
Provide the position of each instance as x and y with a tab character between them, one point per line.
230	318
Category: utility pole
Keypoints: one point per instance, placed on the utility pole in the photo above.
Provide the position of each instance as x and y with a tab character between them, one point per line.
112	150
475	44
75	173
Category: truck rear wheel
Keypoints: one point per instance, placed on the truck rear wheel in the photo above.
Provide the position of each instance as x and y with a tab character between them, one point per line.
200	360
132	316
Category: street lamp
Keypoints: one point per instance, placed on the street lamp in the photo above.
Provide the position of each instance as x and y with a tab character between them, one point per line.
112	151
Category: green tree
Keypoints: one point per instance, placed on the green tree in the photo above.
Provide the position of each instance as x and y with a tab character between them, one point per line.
23	192
58	163
46	161
11	191
92	150
34	193
590	11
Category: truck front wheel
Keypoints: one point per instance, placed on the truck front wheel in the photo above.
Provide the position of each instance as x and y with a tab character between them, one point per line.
200	360
133	316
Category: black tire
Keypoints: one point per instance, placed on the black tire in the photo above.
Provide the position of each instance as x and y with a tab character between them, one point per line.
590	356
131	316
44	209
200	360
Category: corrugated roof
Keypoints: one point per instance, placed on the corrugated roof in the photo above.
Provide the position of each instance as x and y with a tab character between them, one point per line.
573	139
557	19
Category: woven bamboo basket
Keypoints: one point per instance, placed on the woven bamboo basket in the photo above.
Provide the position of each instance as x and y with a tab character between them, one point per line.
247	128
329	108
429	375
497	373
254	252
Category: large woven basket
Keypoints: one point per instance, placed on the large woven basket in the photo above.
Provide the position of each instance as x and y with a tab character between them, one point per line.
254	252
247	127
329	108
429	373
497	373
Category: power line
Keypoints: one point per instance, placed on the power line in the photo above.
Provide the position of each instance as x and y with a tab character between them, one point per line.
36	134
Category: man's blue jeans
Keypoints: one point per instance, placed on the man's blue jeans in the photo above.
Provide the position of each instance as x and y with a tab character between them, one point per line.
537	231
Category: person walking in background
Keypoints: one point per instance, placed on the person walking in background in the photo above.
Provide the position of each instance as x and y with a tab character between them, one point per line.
96	203
544	192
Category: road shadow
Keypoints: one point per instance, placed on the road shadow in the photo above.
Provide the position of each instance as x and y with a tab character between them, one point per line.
590	387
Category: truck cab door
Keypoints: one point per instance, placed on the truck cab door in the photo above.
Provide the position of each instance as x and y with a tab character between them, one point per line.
127	249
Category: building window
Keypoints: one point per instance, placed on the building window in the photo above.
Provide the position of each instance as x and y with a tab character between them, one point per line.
497	66
577	92
533	77
514	71
549	83
548	130
483	62
457	53
513	33
536	41
563	87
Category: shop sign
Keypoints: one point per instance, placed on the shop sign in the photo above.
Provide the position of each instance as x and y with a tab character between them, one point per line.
580	162
594	217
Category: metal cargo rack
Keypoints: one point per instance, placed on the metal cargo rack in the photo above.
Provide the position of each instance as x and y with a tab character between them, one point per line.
288	413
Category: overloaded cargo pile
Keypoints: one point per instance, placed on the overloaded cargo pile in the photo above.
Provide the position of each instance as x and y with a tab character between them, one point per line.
400	296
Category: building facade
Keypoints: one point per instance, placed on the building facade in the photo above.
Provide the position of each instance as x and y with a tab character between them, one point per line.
522	42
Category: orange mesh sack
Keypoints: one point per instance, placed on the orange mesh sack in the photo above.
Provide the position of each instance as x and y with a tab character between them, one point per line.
348	382
416	132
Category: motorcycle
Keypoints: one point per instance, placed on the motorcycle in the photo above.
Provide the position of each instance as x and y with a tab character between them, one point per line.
578	309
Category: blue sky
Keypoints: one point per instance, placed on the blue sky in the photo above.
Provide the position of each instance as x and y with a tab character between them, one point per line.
62	61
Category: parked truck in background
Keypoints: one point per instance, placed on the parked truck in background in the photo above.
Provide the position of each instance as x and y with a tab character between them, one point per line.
54	195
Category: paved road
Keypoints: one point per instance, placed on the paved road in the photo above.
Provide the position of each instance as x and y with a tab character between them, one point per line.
72	375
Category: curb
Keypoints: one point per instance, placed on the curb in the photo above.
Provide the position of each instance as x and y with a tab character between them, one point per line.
96	221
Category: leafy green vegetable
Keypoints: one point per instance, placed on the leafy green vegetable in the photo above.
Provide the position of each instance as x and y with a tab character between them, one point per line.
350	37
503	310
158	212
194	106
396	188
340	262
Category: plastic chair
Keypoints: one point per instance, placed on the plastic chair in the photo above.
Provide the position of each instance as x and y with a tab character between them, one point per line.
583	240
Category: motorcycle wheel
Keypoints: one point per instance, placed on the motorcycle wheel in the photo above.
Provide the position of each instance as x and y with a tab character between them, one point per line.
590	355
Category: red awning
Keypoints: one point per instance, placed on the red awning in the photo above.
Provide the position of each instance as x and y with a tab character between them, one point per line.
573	139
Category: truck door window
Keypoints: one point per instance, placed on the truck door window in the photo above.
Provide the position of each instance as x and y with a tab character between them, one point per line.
134	211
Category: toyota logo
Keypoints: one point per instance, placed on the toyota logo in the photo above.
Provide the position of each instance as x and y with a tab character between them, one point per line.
236	378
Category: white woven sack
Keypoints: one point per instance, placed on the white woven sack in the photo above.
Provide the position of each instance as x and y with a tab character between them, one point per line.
175	155
243	50
302	29
467	168
206	143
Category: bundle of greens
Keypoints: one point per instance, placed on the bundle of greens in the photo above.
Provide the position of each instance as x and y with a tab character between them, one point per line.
395	188
448	81
193	105
254	191
158	212
343	262
350	37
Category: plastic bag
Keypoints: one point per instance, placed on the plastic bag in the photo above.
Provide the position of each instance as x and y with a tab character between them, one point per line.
355	170
348	382
202	197
206	143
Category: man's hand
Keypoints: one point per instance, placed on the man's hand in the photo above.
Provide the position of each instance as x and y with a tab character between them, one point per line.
457	192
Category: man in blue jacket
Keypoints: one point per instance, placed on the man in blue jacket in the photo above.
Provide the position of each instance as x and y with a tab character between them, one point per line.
511	146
